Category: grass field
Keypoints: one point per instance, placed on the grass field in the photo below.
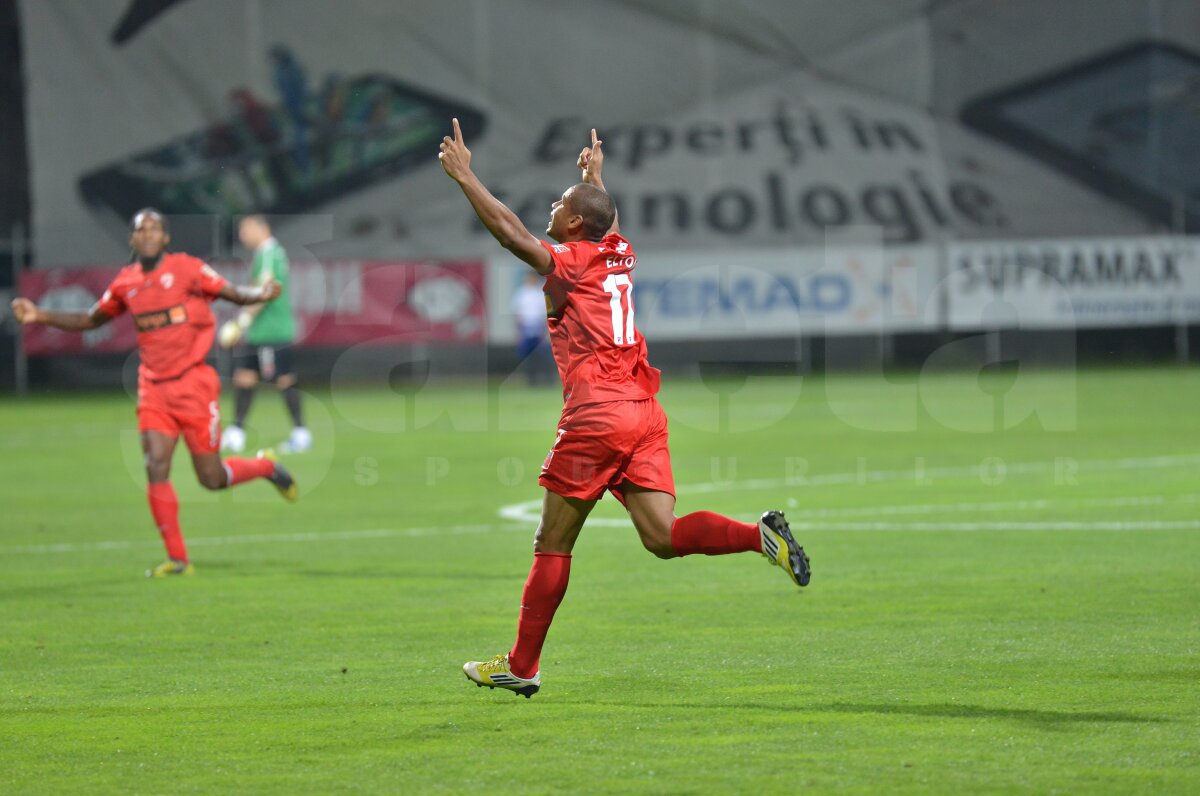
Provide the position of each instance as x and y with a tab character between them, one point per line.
991	611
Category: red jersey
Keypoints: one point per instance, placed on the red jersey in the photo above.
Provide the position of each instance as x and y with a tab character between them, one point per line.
589	300
170	308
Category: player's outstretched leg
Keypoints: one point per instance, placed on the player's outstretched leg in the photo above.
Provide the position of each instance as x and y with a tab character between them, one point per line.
214	473
711	534
279	476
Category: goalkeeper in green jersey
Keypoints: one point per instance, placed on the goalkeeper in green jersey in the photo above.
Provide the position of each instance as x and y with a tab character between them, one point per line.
266	333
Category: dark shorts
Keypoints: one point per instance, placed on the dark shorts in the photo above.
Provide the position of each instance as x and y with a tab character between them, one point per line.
269	361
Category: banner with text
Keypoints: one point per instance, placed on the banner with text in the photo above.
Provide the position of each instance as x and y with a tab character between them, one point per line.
1085	283
336	304
722	131
762	294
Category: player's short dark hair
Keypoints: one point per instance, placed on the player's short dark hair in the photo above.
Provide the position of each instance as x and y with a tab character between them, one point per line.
597	208
148	211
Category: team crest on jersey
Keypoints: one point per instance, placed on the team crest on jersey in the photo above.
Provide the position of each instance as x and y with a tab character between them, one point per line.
166	280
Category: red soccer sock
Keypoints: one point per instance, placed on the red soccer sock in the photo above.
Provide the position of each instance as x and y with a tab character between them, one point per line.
543	592
164	507
713	535
241	470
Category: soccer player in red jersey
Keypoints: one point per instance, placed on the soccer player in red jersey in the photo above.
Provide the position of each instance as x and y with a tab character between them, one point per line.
168	294
613	433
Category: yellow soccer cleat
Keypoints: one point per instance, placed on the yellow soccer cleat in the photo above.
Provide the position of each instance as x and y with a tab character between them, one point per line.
781	549
281	478
171	567
496	674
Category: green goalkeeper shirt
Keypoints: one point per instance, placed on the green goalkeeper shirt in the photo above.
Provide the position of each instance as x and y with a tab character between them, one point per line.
274	324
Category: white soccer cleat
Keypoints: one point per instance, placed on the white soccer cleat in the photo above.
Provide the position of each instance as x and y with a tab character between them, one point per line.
233	439
496	674
299	441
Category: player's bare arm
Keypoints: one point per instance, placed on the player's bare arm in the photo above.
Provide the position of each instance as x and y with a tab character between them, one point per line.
591	162
503	223
251	294
26	312
254	298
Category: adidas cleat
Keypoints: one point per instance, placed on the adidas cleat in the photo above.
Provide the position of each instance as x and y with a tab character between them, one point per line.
281	478
171	567
780	547
496	674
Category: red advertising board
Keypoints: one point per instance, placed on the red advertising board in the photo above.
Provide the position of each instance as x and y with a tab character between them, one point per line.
336	303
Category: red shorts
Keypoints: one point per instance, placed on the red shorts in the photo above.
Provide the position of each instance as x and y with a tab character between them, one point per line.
602	446
188	405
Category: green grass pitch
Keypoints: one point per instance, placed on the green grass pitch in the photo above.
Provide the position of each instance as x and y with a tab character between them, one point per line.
1005	610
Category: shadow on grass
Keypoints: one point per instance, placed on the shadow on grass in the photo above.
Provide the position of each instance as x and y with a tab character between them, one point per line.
1047	718
409	575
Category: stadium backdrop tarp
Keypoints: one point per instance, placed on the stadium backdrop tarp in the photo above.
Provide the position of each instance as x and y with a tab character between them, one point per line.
729	126
337	304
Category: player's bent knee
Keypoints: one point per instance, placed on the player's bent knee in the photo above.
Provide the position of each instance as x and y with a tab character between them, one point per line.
554	539
157	469
211	481
543	543
655	533
661	548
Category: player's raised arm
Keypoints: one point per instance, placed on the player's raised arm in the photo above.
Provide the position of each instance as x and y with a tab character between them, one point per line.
503	223
591	162
26	312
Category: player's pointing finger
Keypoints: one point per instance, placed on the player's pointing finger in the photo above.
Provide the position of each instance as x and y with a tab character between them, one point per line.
595	139
457	130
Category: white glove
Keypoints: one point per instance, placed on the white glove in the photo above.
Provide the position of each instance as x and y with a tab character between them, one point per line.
231	331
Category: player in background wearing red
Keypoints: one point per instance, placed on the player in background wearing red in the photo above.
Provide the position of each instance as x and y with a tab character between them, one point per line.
613	433
168	294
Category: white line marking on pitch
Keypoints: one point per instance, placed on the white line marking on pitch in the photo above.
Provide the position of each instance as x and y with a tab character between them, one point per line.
529	511
524	515
255	538
1050	525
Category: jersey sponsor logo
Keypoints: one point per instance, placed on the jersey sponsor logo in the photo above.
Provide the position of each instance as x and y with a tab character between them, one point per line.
560	248
166	280
159	319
